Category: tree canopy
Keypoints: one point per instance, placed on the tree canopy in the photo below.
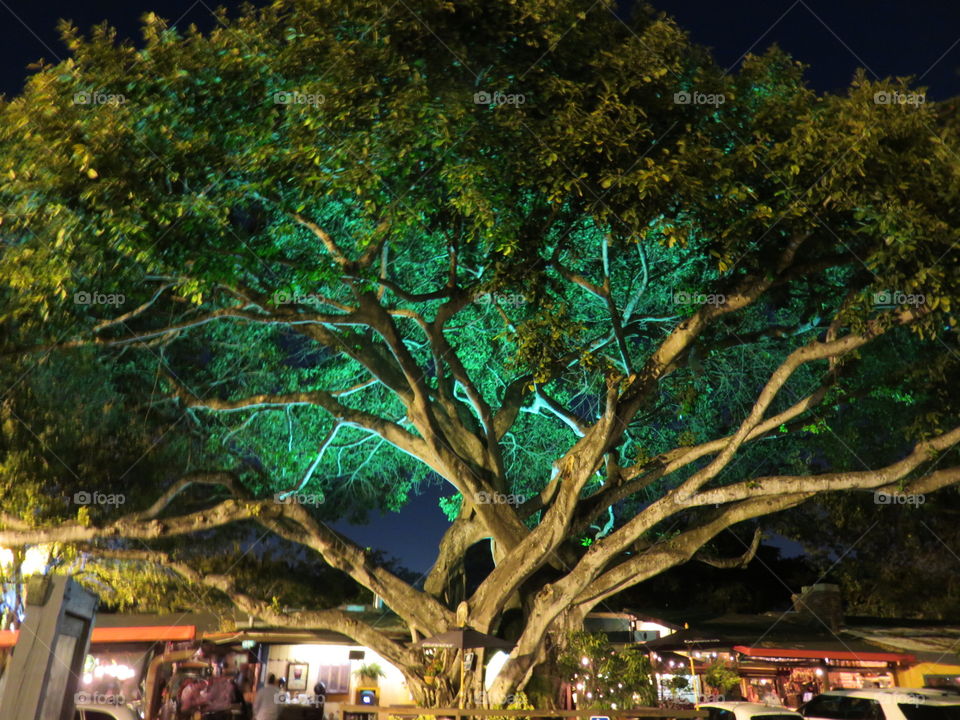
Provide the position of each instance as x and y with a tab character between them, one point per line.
618	300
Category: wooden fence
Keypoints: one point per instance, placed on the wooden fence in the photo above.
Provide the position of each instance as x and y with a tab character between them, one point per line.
408	711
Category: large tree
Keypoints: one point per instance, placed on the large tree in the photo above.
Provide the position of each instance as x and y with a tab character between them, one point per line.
618	300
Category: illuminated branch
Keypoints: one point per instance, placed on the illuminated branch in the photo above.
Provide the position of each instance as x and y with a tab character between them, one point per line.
586	584
136	312
133	527
389	431
808	353
335	620
318	232
858	480
735	562
225	479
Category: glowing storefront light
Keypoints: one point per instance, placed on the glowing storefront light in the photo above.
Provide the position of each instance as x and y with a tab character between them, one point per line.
494	666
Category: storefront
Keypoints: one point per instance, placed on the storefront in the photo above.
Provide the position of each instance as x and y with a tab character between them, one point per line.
119	655
780	660
791	676
302	659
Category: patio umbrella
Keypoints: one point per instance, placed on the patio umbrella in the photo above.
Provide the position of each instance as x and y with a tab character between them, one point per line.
463	638
684	640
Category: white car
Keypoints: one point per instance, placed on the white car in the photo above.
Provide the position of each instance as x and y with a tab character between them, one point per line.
884	704
747	711
85	711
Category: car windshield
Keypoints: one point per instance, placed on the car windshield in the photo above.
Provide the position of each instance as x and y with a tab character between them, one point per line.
714	713
923	711
843	707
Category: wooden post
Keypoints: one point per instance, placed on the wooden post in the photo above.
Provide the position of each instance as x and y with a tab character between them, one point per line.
41	682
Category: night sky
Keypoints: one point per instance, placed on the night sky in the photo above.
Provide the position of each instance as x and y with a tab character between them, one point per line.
834	37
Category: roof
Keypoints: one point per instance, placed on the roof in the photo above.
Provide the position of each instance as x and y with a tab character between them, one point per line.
155	633
284	636
784	635
828	651
203	622
941	641
641	615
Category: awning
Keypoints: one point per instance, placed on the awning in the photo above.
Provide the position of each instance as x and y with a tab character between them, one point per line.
158	633
824	654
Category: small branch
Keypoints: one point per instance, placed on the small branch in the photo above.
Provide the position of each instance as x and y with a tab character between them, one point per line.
133	313
321	234
225	479
736	562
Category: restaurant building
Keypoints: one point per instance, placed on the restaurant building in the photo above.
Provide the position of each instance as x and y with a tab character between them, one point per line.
787	657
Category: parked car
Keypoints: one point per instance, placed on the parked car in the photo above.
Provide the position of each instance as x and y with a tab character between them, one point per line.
85	711
884	704
748	711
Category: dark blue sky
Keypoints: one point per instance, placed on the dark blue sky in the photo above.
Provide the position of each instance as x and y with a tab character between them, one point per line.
834	37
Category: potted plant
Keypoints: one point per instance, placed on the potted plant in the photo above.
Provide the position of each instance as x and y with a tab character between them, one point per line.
369	673
721	676
434	668
676	685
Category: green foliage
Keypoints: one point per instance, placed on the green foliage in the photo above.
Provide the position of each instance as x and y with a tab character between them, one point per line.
677	684
721	676
187	189
605	677
371	671
516	701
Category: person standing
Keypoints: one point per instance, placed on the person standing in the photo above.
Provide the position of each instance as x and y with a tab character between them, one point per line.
266	707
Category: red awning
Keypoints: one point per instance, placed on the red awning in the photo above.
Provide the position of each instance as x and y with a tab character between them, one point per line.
824	654
147	633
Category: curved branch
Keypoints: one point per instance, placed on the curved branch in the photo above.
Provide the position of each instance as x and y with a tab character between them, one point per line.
389	431
859	480
808	353
462	533
134	528
135	312
335	620
736	562
418	609
225	479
